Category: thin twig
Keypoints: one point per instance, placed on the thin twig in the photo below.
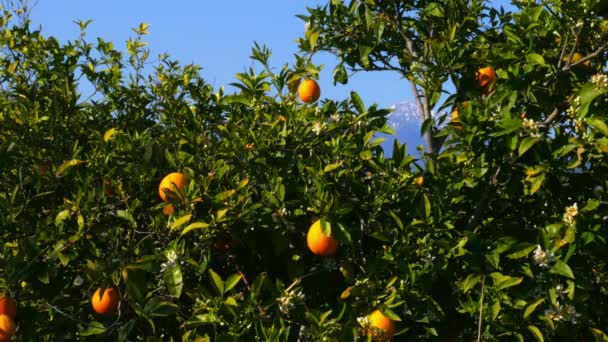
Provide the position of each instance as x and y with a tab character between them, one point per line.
479	321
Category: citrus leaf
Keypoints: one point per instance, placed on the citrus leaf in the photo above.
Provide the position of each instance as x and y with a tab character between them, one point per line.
526	144
193	226
230	301
331	167
174	280
536	59
232	281
180	222
470	281
536	333
600	336
561	268
68	165
225	194
94	328
522	252
533	307
157	307
598	125
357	102
217	281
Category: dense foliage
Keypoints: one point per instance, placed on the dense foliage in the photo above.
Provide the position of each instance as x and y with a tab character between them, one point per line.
499	231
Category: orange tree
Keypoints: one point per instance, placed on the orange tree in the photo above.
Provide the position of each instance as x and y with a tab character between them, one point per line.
515	217
503	236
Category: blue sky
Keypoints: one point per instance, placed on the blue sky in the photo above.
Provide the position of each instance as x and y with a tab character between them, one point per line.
218	35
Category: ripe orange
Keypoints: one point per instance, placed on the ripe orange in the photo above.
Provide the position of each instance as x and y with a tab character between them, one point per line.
8	307
106	302
575	58
319	243
7	328
172	182
168	210
309	91
379	321
485	76
455	116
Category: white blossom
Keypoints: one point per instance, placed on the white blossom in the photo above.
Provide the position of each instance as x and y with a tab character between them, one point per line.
600	81
317	127
541	257
570	213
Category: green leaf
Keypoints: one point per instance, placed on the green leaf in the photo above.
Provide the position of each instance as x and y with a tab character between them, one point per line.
470	281
331	167
225	195
68	165
125	215
526	144
561	268
230	301
136	283
312	38
181	221
427	206
366	155
536	333
598	125
591	205
523	252
157	307
536	59
495	309
533	307
193	226
364	51
242	99
94	328
62	216
325	226
174	280
217	281
357	102
232	281
340	74
599	335
503	281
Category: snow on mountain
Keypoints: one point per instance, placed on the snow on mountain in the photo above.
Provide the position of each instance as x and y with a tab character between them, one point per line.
405	119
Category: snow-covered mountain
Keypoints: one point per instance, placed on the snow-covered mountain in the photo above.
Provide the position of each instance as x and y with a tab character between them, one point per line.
405	119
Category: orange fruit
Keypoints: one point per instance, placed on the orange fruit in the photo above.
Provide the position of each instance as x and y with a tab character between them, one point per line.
485	76
8	307
380	322
575	58
168	210
455	116
7	328
419	180
309	91
319	243
173	182
106	302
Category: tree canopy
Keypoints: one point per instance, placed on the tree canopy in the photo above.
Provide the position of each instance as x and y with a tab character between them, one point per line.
497	231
